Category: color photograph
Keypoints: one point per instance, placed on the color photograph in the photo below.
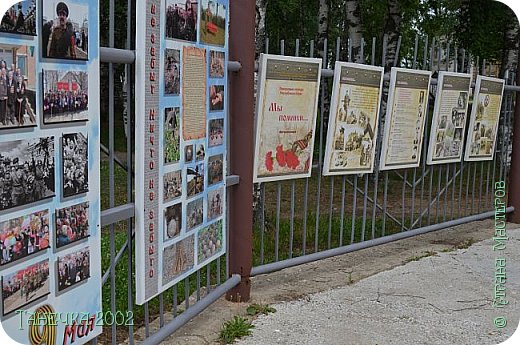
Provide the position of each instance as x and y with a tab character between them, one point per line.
75	164
200	153
195	180
178	258
217	64
215	203
216	132
73	268
216	97
181	19
194	213
172	138
210	241
173	221
20	19
172	72
172	188
26	171
213	22
71	224
23	236
215	169
65	96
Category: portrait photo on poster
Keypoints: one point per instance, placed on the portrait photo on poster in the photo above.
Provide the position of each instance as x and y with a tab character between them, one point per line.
24	236
75	164
172	72
20	19
172	221
27	171
73	268
65	30
215	203
213	22
25	286
65	96
181	20
72	224
215	169
18	84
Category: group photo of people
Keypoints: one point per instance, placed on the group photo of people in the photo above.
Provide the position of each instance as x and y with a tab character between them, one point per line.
173	221
75	164
73	268
172	187
65	30
181	19
20	19
25	286
194	213
215	203
172	72
71	224
215	169
20	237
26	171
17	88
65	96
216	132
217	64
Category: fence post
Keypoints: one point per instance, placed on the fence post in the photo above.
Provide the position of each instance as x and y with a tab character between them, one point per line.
514	175
241	125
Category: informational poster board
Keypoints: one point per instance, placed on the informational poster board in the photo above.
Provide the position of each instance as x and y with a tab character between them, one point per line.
485	116
181	152
354	119
288	89
405	118
50	236
449	118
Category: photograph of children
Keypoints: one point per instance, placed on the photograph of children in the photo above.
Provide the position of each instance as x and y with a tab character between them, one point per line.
458	117
20	19
215	169
188	153
25	286
210	241
216	132
200	153
26	171
215	203
173	221
442	124
195	180
458	134
181	19
65	96
75	164
71	224
73	268
178	258
216	97
172	72
20	237
65	30
194	213
172	188
17	86
217	64
172	135
213	23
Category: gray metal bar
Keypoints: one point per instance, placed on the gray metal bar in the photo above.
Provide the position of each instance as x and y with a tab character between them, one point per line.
234	66
277	233
117	214
342	212
262	225
364	219
354	206
331	213
291	235
115	55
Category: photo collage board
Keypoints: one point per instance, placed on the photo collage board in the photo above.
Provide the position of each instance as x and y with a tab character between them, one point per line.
181	144
49	168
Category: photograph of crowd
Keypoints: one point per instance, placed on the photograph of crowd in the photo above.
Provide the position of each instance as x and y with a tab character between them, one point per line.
172	135
216	132
26	171
210	241
71	224
188	153
215	203
17	86
65	30
195	180
217	64
173	221
216	97
20	237
172	72
75	164
172	185
194	213
213	23
20	19
65	96
181	19
25	286
215	169
178	258
200	153
73	268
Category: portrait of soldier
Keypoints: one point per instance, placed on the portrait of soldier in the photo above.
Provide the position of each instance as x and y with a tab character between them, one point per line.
62	41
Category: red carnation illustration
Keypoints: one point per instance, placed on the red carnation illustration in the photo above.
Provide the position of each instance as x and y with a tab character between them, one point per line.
292	159
269	161
280	156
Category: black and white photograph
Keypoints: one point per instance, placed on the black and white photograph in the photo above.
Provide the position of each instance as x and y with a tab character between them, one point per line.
200	153
194	213
215	203
173	221
216	132
195	179
188	153
20	19
75	164
65	30
172	72
216	97
172	135
73	268
215	169
65	96
18	84
172	188
25	286
181	19
26	171
217	64
23	236
71	224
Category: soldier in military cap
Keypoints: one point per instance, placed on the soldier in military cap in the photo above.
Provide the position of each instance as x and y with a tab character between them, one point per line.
62	42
